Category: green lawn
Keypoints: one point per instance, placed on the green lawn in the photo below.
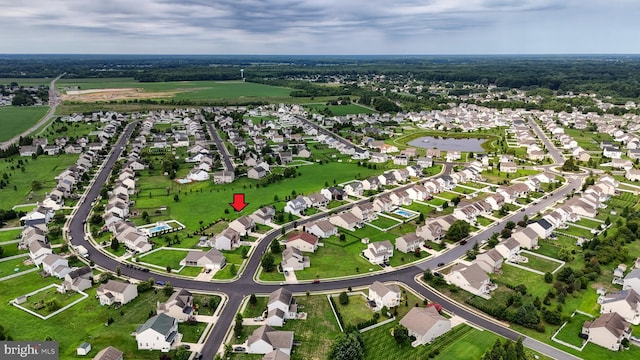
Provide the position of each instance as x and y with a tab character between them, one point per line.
462	342
384	222
202	303
333	261
590	223
164	258
43	169
570	331
515	276
191	332
356	311
14	120
11	250
540	264
75	130
37	302
576	231
252	311
212	200
9	235
484	221
82	322
8	267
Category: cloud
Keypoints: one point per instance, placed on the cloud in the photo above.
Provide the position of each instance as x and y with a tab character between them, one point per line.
266	26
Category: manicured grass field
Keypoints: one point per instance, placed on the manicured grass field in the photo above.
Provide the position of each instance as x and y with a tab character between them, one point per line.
570	331
192	90
540	264
356	311
576	231
252	311
191	332
588	223
515	276
212	200
14	120
84	321
8	267
9	235
36	302
333	261
384	222
462	342
164	258
75	130
42	169
483	221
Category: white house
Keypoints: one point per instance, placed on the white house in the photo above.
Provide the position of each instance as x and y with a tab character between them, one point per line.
266	339
632	281
295	206
243	225
346	221
281	306
212	259
226	240
626	303
322	229
179	305
408	243
292	260
378	252
425	324
115	291
303	241
160	332
470	278
384	295
55	265
508	248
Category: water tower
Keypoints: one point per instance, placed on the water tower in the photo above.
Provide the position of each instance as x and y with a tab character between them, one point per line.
242	74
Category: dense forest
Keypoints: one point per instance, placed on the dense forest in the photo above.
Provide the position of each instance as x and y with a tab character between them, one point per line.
611	75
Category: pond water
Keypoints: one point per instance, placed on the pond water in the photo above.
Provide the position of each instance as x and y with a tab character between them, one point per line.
448	144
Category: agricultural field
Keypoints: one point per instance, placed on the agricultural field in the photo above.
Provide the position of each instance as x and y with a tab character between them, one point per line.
341	110
92	90
43	170
15	120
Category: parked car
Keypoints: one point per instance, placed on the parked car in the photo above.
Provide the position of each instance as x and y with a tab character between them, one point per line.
160	282
440	264
316	281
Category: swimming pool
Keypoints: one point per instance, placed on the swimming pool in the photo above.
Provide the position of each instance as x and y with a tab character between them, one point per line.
183	181
404	213
158	228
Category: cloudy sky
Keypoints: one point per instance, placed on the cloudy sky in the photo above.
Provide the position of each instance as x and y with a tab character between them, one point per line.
320	26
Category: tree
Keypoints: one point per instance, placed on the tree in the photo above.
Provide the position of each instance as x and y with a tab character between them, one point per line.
118	271
253	300
233	270
268	263
343	298
176	198
182	353
510	225
115	244
237	328
347	347
427	275
401	334
275	247
458	230
167	289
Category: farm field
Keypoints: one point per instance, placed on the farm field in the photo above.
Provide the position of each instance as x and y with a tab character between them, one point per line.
14	120
340	110
42	169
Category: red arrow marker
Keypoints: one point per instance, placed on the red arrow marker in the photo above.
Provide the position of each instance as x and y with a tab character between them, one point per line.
238	202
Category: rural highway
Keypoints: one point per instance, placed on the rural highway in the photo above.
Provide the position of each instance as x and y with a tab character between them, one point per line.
53	103
245	284
224	152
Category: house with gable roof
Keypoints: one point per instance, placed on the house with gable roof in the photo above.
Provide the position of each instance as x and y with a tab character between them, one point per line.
607	331
378	252
179	305
384	295
160	332
281	306
425	324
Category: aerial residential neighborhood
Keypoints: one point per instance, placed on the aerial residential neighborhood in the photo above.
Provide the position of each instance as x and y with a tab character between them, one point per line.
282	194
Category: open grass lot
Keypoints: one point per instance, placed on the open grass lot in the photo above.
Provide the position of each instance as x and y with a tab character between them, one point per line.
82	322
332	260
570	331
317	332
538	263
588	140
496	177
36	302
252	311
212	200
11	250
14	119
8	267
357	311
9	235
576	231
588	223
384	222
42	169
462	342
70	130
340	110
515	276
164	258
192	90
191	332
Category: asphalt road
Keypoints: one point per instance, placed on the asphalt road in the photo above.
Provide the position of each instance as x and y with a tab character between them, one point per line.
246	285
53	103
328	132
224	153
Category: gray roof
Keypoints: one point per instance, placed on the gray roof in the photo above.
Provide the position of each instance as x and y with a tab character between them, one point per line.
382	289
282	295
277	339
160	323
108	353
613	322
629	295
633	274
276	355
472	273
114	286
421	320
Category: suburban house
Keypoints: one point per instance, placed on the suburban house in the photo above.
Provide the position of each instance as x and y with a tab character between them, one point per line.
38	250
322	229
179	305
384	295
383	203
115	291
276	355
378	252
425	324
626	303
409	243
264	215
223	177
508	248
542	227
489	261
256	173
108	353
302	241
226	240
354	188
281	306
607	331
243	225
632	280
160	332
346	221
470	278
295	206
266	339
78	279
55	265
212	259
365	211
292	259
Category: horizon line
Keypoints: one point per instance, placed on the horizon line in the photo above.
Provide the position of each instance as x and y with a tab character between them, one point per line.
320	55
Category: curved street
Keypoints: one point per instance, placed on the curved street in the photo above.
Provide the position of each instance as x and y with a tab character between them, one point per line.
245	284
